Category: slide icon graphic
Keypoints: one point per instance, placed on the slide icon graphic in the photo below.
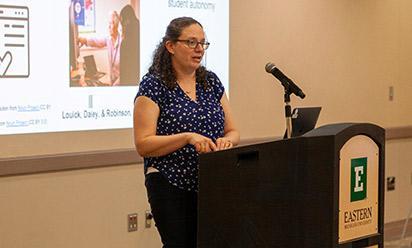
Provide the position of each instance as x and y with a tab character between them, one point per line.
5	62
14	42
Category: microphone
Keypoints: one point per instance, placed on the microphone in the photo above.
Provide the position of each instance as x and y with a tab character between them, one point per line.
286	82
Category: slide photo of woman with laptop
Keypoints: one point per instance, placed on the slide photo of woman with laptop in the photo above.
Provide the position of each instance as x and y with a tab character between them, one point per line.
104	43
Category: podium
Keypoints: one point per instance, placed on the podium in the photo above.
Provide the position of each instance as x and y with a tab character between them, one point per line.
324	189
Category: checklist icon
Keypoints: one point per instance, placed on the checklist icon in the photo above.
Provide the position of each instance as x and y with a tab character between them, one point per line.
14	42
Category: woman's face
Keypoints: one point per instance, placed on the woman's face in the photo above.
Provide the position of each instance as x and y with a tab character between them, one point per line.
184	56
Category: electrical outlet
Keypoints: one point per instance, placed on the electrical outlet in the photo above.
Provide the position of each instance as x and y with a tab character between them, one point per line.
391	93
132	222
390	183
148	219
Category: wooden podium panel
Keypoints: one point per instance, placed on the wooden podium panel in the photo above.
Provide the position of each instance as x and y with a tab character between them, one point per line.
283	193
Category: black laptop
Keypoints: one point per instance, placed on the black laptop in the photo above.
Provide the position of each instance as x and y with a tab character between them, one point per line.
90	67
303	120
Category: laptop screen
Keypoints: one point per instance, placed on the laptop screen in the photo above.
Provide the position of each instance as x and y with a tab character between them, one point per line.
303	120
90	65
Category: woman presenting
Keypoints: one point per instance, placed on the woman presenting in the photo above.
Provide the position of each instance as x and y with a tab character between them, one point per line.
181	110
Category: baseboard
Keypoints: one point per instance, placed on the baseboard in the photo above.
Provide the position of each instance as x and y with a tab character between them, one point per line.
393	230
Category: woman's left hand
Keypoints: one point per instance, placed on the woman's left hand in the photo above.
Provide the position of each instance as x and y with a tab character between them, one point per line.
223	143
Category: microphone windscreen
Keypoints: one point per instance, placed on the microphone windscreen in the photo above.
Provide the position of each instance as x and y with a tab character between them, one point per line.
269	67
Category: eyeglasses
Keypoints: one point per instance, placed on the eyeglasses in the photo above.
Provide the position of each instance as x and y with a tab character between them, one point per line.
192	43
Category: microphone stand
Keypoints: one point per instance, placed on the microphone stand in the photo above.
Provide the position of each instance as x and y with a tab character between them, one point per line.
288	112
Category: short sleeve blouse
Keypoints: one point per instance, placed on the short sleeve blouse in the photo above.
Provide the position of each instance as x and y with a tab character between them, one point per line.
178	114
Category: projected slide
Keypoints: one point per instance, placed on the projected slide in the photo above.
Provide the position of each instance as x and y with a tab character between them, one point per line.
76	65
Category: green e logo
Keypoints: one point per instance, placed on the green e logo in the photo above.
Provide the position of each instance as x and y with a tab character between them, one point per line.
358	172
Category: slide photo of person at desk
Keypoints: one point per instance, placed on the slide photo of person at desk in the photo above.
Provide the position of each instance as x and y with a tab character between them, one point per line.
96	52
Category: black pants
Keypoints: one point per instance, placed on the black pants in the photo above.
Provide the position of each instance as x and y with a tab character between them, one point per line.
174	212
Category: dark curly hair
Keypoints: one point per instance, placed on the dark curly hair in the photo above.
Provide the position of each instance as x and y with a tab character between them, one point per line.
162	61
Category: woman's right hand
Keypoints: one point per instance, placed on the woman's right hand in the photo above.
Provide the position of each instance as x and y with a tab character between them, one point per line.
202	144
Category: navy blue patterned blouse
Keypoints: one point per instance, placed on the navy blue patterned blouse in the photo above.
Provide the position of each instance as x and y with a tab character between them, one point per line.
178	113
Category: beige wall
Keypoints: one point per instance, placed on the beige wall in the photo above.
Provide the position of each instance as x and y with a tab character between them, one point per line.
82	209
399	165
343	53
